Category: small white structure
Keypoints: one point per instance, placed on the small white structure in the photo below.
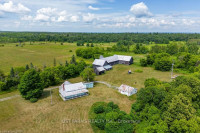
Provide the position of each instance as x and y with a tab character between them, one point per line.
70	91
127	90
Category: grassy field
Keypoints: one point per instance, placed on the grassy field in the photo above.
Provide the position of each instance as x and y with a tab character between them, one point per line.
38	54
21	115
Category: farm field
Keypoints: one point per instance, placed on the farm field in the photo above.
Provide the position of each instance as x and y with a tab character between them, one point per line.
20	115
39	54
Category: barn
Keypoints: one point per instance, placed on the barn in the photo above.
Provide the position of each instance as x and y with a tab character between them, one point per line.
118	59
127	60
127	90
99	63
104	64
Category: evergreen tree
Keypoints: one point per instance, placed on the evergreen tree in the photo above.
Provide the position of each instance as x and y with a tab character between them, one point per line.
31	66
66	63
12	73
27	67
73	60
54	62
2	76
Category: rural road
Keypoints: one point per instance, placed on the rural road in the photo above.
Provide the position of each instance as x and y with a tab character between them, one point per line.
51	88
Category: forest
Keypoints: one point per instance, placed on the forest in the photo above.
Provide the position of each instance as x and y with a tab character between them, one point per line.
158	38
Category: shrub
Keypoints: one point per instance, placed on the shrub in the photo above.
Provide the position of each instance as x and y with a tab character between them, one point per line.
151	82
99	109
70	50
33	100
138	71
2	86
100	121
112	105
143	62
163	64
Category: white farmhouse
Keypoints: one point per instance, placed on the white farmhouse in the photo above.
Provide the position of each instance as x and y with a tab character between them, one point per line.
69	91
127	90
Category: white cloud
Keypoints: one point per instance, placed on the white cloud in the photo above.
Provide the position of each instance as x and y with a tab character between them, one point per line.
62	19
47	11
88	17
93	8
62	13
74	18
41	17
140	10
77	15
11	7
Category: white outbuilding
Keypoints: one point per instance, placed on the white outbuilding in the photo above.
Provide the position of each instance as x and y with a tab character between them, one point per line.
127	90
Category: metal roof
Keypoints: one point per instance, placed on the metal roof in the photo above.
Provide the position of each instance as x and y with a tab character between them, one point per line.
107	67
111	58
99	62
124	58
74	87
117	58
100	69
126	88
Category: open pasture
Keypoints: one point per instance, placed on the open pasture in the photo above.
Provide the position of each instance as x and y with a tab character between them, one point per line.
21	115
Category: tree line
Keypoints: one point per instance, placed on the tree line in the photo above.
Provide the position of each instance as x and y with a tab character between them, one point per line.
31	80
163	61
146	38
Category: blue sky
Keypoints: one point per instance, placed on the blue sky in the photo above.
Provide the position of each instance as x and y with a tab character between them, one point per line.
100	15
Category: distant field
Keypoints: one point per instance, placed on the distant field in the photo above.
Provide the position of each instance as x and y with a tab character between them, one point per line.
40	54
21	115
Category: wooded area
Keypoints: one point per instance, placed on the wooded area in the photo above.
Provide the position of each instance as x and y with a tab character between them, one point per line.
159	38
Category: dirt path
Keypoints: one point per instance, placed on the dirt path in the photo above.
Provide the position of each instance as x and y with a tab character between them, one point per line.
7	98
14	96
107	84
51	88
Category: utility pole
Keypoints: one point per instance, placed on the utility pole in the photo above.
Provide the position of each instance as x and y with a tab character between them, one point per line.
172	69
51	97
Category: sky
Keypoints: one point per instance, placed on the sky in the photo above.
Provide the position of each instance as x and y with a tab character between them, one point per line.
100	15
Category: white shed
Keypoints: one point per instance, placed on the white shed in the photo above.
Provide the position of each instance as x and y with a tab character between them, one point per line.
127	90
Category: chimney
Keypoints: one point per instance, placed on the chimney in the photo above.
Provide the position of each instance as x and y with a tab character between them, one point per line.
63	87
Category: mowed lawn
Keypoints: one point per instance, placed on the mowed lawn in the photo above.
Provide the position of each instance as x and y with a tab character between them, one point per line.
119	75
21	115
